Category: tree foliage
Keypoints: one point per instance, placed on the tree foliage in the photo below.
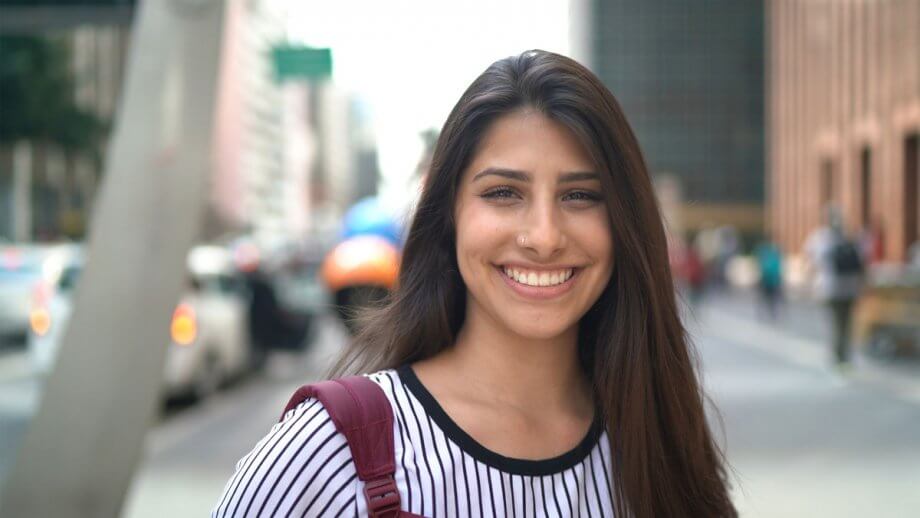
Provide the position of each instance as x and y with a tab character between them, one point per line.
37	96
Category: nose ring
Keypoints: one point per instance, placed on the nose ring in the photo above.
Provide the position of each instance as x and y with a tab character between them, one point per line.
522	240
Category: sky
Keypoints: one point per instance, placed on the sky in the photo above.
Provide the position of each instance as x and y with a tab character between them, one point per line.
410	60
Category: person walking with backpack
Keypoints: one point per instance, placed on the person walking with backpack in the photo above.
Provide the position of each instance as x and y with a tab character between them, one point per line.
770	264
838	269
531	360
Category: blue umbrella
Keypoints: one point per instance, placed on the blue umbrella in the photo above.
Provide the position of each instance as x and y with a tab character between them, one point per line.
370	217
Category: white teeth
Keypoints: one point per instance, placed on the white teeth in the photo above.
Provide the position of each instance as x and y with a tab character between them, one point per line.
539	278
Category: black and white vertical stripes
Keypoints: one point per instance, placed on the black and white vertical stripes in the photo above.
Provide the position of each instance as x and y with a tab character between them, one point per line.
303	468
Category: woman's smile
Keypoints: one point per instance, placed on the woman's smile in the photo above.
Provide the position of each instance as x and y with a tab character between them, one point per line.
539	284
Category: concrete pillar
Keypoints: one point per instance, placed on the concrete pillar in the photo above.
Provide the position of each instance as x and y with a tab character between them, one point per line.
84	443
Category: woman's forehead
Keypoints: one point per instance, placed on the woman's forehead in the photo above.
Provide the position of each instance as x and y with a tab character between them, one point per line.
527	140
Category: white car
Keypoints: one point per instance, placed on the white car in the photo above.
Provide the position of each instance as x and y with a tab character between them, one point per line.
49	305
209	338
210	327
20	271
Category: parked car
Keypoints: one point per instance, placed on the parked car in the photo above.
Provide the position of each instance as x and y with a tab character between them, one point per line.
209	330
209	337
22	268
49	305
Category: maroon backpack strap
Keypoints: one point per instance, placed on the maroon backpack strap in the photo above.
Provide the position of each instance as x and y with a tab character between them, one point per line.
361	411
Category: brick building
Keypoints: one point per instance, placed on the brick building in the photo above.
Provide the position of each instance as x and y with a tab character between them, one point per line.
843	117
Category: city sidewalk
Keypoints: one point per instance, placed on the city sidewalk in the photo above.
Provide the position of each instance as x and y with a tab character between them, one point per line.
801	334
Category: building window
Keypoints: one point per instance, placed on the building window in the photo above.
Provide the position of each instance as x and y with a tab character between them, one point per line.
911	185
865	185
827	184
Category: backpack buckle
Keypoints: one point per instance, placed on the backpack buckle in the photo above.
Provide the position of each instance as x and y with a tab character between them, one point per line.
382	497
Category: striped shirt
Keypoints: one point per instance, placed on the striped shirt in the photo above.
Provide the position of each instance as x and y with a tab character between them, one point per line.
303	467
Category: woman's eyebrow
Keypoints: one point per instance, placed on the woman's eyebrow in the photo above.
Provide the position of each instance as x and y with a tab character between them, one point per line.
513	174
510	174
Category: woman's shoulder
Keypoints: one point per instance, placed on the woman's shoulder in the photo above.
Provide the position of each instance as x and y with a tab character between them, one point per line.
311	423
303	465
388	380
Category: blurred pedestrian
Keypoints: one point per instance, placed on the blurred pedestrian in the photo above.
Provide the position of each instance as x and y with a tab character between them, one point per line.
266	329
534	331
728	244
837	265
692	271
872	242
770	264
706	244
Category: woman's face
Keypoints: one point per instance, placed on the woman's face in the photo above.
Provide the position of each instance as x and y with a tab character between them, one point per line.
533	235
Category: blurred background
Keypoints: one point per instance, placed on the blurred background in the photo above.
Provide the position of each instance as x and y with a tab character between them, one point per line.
196	194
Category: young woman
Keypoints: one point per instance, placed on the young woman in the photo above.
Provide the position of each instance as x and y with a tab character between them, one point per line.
533	353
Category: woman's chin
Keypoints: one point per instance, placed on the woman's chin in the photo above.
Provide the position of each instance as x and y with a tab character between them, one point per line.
536	330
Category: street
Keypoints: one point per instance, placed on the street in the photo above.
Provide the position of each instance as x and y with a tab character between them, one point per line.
802	439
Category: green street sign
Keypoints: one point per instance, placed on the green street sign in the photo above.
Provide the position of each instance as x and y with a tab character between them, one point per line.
66	3
301	62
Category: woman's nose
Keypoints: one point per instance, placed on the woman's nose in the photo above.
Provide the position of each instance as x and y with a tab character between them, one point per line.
544	232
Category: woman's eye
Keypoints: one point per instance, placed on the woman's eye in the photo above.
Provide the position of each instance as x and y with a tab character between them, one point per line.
583	196
498	193
505	193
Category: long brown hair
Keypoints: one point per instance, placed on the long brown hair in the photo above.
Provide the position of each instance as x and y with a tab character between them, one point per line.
631	343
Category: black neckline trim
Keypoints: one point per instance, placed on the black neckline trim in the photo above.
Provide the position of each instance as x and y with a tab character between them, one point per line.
481	453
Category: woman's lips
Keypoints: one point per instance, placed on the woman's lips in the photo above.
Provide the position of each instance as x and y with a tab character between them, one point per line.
538	292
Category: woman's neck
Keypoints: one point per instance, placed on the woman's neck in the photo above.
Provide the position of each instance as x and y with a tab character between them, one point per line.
526	375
